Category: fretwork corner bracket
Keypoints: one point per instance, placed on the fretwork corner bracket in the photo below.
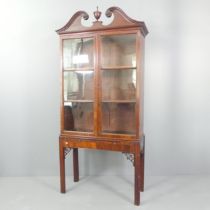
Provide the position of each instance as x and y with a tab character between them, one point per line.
130	157
67	151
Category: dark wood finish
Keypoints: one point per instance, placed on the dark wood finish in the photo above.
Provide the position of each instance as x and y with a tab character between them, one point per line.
62	167
104	112
76	164
142	160
137	175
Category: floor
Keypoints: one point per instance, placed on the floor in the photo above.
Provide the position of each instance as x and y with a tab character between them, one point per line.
104	193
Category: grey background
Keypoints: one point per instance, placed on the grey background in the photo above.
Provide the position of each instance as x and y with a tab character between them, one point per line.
177	87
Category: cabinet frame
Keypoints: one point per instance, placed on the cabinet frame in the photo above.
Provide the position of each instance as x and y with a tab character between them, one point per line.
133	144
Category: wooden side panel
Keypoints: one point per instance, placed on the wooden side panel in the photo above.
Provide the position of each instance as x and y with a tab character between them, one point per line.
141	82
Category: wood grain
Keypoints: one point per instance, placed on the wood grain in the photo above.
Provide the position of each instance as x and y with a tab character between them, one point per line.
109	114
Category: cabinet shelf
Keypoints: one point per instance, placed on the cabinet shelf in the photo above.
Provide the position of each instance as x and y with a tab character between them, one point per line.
79	101
117	132
118	67
118	101
79	69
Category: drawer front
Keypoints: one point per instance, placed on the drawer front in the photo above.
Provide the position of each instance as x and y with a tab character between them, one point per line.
121	146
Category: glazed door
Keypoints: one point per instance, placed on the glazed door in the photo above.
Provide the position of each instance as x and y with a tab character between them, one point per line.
78	84
118	84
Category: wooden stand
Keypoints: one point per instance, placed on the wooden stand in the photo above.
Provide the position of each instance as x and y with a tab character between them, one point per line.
131	148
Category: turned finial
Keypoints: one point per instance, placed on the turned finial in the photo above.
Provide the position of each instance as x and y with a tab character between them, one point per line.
97	14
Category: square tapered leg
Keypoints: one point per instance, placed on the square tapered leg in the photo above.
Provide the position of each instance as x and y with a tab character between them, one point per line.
62	168
75	164
142	160
137	177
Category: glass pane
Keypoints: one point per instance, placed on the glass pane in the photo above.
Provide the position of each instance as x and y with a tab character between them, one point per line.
118	84
78	116
78	53
78	85
119	50
118	118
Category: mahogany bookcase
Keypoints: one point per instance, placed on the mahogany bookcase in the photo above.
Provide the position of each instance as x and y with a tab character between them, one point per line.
102	69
